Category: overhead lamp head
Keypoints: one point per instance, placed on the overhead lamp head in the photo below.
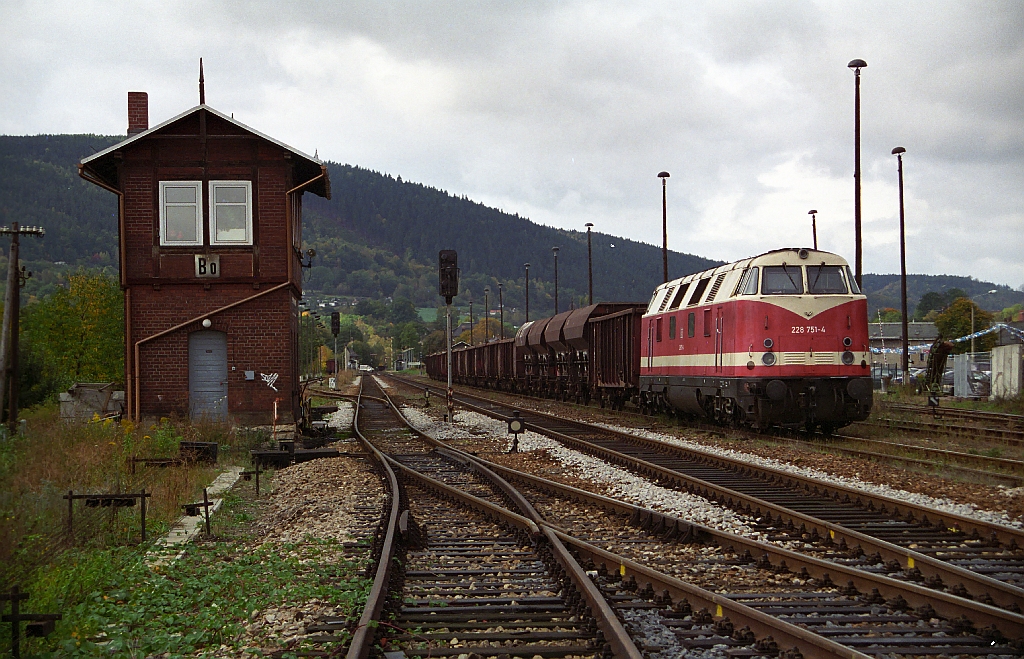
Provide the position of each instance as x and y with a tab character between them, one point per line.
526	265
812	212
663	175
857	64
589	224
554	250
898	149
311	252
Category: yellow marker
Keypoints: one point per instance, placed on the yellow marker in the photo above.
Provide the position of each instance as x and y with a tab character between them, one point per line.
910	562
718	611
832	534
622	570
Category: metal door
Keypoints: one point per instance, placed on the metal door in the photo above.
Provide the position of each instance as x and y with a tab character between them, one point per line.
208	375
719	340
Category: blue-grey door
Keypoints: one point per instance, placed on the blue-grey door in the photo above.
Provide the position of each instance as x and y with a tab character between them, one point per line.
208	375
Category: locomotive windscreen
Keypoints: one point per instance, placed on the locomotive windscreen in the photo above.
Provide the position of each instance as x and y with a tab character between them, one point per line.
782	280
826	280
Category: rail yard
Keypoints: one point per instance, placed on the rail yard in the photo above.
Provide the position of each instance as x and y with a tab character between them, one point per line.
594	539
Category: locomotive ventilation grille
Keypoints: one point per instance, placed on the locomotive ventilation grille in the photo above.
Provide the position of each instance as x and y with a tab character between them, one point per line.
824	358
793	358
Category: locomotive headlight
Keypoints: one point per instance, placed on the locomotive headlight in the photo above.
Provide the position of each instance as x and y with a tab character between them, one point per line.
847	342
848	358
768	358
768	343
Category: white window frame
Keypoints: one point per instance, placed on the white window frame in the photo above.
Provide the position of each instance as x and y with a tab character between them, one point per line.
164	241
213	213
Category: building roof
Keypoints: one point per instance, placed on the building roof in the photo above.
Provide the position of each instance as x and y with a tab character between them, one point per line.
309	168
894	331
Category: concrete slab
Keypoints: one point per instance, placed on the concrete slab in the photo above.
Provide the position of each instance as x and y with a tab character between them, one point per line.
168	549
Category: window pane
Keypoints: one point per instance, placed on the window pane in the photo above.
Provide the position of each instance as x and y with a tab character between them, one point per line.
750	288
180	195
782	280
825	280
181	224
229	194
853	282
231	223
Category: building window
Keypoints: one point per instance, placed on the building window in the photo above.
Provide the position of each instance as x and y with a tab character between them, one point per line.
180	213
230	213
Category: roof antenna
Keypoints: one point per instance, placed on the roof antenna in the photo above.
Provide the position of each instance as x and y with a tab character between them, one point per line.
202	84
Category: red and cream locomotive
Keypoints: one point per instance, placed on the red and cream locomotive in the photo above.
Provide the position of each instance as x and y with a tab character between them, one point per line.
780	339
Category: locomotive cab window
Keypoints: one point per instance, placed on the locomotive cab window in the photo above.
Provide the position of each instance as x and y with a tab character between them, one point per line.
854	288
748	282
657	330
181	215
825	280
671	327
691	323
782	280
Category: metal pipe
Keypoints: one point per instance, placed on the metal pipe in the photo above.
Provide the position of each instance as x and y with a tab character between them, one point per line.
138	344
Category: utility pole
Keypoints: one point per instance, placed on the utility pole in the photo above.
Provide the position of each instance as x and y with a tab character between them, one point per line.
905	362
527	266
16	277
501	312
590	266
554	250
664	224
857	65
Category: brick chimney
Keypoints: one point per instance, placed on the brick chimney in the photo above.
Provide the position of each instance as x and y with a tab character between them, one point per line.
138	112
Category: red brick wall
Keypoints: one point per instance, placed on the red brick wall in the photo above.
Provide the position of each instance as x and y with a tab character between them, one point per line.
262	334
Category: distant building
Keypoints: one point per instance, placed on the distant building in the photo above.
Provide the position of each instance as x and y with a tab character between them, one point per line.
210	237
890	336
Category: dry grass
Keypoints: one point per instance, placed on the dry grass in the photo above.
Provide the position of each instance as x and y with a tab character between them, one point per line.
38	469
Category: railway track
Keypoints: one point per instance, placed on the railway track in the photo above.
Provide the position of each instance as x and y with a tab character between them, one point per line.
660	607
976	424
960	555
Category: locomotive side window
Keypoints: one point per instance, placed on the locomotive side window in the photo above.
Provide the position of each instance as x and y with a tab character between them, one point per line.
749	285
782	280
680	294
698	290
671	327
657	331
691	322
853	282
707	322
825	280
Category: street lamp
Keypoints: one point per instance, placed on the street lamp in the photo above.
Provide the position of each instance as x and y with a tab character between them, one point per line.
857	65
527	266
972	316
898	152
554	250
590	265
501	312
814	227
664	224
487	314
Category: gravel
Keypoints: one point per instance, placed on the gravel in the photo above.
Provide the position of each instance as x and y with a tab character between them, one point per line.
620	483
947	505
660	642
342	419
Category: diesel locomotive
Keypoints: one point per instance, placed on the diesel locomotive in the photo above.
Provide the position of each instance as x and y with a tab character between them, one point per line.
780	339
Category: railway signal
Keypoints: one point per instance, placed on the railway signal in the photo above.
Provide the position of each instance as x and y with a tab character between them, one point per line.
448	287
515	426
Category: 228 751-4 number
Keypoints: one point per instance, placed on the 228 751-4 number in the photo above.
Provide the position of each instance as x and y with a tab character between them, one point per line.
808	329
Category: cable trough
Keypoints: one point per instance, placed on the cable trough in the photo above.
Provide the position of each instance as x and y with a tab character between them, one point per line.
661	608
941	550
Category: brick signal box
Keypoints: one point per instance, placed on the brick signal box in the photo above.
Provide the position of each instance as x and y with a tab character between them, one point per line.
210	233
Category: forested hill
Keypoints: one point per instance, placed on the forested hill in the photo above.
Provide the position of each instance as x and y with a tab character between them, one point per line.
416	221
379	237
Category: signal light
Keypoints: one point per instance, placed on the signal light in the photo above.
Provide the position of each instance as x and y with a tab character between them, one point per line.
335	323
448	274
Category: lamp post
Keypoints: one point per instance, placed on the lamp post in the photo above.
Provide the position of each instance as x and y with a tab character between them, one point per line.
554	250
857	65
487	314
905	363
972	316
527	266
590	265
664	224
814	226
501	312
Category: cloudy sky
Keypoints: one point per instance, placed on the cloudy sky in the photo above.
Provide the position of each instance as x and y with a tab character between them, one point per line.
565	112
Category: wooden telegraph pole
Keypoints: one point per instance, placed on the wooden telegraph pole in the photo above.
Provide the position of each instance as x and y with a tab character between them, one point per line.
16	276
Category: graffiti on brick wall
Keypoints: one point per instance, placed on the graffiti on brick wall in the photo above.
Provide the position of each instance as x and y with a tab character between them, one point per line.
270	379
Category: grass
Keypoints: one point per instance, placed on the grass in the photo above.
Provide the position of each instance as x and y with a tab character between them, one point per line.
37	469
116	606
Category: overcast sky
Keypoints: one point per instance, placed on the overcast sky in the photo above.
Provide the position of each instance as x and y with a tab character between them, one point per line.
565	112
